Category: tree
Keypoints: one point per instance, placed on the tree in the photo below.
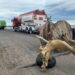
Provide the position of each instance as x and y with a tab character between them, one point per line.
49	19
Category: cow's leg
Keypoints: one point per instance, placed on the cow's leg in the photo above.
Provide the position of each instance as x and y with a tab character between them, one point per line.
45	61
70	48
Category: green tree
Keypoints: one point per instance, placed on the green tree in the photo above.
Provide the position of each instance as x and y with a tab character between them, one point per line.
49	19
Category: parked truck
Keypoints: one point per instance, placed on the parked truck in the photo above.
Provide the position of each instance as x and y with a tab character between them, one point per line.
2	24
30	21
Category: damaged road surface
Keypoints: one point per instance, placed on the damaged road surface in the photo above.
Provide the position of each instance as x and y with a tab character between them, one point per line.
20	49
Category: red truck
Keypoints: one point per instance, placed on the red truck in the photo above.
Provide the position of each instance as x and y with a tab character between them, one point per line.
30	20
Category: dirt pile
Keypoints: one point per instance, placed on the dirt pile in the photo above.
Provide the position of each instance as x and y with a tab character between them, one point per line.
56	30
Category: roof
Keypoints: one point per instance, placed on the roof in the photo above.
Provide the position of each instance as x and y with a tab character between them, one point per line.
39	12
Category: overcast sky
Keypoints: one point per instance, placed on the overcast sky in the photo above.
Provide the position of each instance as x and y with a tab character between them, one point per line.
58	9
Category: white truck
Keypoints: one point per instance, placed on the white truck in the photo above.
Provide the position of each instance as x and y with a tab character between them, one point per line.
30	22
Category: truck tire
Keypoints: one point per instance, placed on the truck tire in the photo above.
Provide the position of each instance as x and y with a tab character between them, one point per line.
51	63
16	29
30	31
2	28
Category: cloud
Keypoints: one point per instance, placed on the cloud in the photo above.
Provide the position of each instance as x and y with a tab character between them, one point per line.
62	9
62	4
21	4
11	8
58	9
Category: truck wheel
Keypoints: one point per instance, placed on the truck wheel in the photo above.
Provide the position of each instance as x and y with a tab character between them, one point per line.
30	31
51	63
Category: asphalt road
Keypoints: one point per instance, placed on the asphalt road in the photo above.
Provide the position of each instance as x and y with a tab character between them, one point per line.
20	49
